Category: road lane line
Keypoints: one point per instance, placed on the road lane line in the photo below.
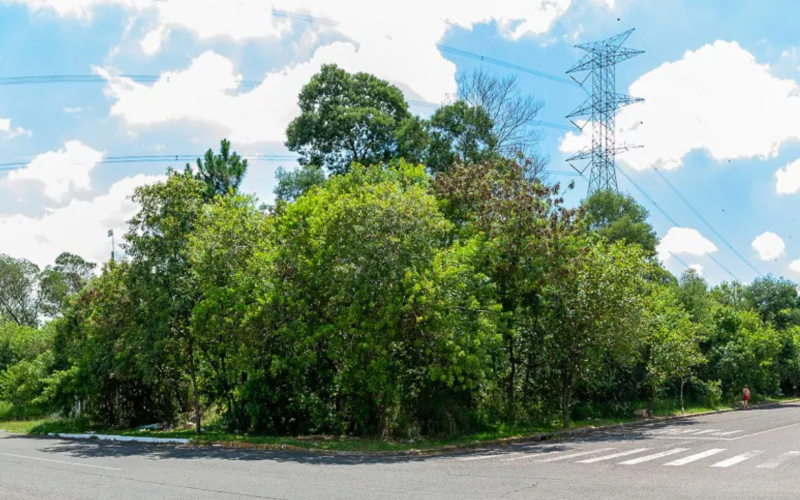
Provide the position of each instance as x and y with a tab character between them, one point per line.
615	455
775	462
492	455
655	456
59	461
707	431
694	458
728	433
575	455
738	458
765	431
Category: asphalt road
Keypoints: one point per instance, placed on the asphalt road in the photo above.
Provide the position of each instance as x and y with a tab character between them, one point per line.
754	454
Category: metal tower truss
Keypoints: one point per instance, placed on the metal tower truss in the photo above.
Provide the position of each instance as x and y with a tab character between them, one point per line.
601	108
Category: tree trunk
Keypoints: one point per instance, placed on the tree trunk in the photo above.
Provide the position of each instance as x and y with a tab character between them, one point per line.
193	373
566	396
683	381
651	401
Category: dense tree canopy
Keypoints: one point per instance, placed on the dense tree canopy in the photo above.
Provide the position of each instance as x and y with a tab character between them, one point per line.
441	287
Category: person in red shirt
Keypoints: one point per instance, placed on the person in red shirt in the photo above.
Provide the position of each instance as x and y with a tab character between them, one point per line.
746	396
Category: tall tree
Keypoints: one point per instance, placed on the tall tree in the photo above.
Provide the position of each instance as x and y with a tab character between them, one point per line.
294	183
65	278
20	297
346	118
513	113
222	173
618	217
775	300
161	279
459	132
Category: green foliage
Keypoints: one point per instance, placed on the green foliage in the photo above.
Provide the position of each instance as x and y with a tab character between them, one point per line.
618	217
221	173
294	183
346	118
459	132
20	300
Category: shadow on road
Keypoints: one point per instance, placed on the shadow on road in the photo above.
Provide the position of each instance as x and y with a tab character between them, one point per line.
99	449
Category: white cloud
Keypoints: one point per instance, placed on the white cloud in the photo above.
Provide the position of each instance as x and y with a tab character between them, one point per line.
60	172
81	227
717	98
769	246
262	114
795	266
7	131
684	240
698	268
73	111
391	40
787	179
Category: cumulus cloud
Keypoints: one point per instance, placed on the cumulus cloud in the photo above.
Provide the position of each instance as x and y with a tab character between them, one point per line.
60	172
81	227
769	246
391	40
795	266
787	179
717	98
684	240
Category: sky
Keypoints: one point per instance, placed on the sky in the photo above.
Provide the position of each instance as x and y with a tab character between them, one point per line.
719	128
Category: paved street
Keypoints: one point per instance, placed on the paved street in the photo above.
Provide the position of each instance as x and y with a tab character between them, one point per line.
753	454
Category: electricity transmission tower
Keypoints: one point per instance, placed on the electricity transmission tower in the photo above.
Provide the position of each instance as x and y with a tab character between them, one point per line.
601	108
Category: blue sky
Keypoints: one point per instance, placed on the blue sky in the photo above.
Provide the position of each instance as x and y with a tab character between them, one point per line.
721	120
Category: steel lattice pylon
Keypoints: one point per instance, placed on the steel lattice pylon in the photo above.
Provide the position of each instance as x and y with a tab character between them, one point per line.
601	108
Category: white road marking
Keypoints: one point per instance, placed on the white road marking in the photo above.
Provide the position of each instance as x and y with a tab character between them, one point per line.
59	462
477	457
707	431
534	454
728	433
694	458
615	455
775	462
738	458
575	455
655	456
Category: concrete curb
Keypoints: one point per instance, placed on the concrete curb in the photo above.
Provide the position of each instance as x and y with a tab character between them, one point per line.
121	439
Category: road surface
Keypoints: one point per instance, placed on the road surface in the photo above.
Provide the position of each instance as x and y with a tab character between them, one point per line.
753	454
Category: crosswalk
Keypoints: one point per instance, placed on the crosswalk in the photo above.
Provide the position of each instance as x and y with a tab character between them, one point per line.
668	457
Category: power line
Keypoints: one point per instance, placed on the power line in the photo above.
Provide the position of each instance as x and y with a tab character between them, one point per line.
665	214
708	224
156	159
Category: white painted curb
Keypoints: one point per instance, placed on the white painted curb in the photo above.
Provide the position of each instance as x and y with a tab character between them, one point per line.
111	437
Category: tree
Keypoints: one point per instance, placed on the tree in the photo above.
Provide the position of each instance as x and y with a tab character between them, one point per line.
459	132
618	217
294	183
594	305
20	297
222	173
512	113
775	300
671	348
161	280
70	274
346	118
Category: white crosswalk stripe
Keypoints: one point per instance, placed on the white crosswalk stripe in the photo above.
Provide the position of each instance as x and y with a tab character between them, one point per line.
535	454
778	461
738	459
483	457
707	431
575	455
655	456
696	457
727	433
615	455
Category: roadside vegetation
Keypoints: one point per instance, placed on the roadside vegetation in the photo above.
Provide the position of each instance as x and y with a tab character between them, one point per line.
416	282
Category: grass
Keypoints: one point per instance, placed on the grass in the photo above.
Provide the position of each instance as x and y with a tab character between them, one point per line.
328	443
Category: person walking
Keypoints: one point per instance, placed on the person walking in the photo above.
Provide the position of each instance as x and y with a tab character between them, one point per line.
745	396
